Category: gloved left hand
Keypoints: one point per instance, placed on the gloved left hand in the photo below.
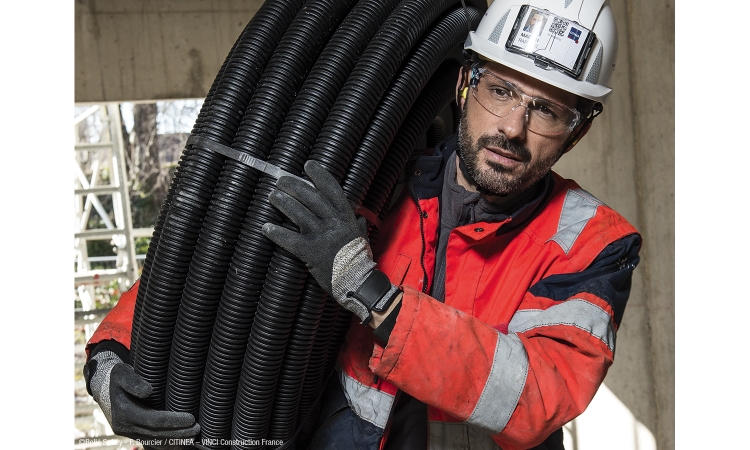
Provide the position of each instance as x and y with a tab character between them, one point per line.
118	390
332	242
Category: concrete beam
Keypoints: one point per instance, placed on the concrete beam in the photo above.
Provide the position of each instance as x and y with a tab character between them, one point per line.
153	50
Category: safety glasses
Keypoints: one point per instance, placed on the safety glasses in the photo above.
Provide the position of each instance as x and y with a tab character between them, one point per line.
500	97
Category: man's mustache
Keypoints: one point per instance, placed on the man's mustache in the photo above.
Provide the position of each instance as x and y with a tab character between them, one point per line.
500	141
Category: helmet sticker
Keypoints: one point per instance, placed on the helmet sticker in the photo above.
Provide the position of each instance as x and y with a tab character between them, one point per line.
550	40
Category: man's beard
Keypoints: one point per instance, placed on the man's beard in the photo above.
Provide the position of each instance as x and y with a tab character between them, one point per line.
497	179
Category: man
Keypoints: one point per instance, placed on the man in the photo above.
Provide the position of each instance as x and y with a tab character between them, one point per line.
486	313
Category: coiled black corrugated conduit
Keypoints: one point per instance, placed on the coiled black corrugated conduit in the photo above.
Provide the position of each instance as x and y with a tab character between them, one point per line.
279	298
165	206
199	172
226	326
271	99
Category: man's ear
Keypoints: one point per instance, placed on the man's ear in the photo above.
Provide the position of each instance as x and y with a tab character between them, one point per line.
461	90
579	135
597	109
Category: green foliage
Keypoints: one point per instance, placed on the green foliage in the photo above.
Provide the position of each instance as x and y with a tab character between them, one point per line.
141	245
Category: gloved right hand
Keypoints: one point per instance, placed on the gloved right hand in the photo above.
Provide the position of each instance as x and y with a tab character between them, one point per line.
117	389
331	241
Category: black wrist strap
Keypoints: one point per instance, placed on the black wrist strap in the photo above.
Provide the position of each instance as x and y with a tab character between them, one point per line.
376	293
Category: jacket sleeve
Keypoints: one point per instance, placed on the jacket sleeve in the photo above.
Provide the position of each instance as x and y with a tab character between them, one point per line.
117	325
519	382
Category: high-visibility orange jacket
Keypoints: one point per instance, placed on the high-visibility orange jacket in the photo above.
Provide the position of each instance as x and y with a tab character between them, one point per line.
117	324
524	336
526	332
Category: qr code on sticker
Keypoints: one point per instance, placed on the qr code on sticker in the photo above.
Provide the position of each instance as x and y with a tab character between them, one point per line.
559	26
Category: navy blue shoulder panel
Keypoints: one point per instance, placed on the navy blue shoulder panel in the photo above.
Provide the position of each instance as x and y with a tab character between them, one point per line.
608	277
427	175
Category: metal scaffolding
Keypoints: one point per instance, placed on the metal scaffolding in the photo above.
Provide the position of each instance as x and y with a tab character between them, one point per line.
99	173
96	161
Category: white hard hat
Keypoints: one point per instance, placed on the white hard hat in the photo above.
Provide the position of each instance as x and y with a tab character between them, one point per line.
570	44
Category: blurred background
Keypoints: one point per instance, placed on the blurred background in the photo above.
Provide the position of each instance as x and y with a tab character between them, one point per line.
142	69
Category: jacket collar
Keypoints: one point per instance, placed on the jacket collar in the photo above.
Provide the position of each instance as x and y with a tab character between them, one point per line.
427	175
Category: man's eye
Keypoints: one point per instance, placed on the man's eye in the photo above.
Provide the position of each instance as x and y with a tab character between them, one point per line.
501	93
546	111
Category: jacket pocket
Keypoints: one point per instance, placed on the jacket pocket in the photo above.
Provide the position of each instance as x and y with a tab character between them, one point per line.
398	273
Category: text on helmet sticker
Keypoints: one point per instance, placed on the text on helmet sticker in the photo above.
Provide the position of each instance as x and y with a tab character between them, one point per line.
550	40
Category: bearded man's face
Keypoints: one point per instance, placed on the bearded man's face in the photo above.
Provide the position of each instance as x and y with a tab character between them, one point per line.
500	153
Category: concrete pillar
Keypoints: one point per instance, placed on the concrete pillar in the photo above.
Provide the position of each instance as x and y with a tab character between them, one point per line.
627	161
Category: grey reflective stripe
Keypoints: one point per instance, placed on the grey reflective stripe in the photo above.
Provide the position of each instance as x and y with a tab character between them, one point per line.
520	317
504	385
368	403
498	30
510	364
579	206
593	75
457	435
576	313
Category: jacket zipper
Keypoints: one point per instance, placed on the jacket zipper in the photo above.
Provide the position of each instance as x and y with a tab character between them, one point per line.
421	234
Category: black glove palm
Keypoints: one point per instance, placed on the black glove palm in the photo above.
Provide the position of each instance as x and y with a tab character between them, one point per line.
117	389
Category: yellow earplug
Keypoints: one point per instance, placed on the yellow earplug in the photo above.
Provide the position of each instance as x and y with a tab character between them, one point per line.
463	92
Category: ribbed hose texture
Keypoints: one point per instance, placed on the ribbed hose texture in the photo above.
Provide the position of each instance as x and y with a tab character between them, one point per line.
254	397
442	37
193	191
227	326
145	272
272	97
368	81
252	408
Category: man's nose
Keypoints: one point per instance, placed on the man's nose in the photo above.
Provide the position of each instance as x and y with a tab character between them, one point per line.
514	124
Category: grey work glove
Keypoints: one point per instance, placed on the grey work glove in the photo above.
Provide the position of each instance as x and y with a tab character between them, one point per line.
117	389
331	241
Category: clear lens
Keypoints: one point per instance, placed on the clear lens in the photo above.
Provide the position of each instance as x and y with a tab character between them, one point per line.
543	116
